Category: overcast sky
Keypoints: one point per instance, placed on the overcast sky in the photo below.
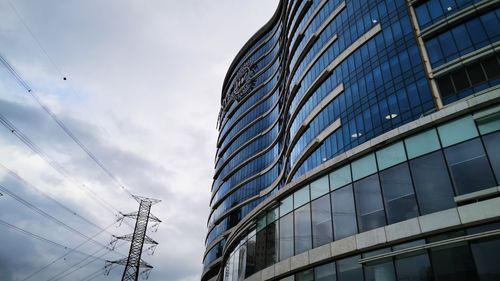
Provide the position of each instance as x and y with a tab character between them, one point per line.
142	93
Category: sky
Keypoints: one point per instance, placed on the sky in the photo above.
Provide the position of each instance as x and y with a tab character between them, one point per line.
142	93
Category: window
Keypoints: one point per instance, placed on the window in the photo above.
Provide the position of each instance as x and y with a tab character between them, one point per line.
340	177
491	142
325	272
319	187
369	203
457	131
422	143
398	193
364	167
321	221
286	205
300	197
391	155
432	183
469	167
489	123
349	269
272	239
302	226
343	213
485	253
260	250
453	263
251	262
415	266
382	270
304	276
286	236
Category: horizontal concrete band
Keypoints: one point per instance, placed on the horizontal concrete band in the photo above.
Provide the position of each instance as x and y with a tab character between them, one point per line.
419	227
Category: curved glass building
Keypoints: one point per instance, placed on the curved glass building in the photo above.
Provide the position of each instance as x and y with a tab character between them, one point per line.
360	140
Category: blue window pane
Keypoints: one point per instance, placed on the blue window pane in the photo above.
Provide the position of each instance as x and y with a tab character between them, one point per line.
462	39
448	46
469	167
477	33
369	203
491	23
434	51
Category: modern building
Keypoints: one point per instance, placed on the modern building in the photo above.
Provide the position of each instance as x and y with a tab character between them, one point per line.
360	140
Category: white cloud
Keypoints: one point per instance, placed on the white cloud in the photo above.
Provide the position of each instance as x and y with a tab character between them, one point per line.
143	93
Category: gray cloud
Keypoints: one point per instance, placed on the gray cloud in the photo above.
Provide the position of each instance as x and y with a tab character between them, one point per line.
143	91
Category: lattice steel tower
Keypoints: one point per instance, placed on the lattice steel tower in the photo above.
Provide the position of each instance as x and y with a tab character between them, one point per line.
134	262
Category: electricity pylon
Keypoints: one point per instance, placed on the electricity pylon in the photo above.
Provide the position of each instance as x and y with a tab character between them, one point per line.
133	263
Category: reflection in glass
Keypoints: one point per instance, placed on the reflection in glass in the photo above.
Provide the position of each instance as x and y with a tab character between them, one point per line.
415	267
398	193
432	183
260	250
304	276
485	254
491	142
286	236
325	272
302	226
343	213
321	221
250	261
453	263
469	167
369	203
272	239
349	269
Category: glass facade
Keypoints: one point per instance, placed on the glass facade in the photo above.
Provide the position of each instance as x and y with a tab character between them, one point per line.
323	77
380	196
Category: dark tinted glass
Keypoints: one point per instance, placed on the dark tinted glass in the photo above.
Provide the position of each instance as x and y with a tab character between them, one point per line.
398	193
251	259
460	80
260	250
349	269
286	236
272	239
304	276
432	183
343	213
476	73
414	268
453	263
302	226
321	221
325	272
380	271
469	167
369	203
492	67
485	253
445	86
492	144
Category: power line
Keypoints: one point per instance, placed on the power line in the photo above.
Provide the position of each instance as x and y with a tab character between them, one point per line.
33	35
46	195
50	112
96	274
48	216
55	165
74	268
66	254
41	238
